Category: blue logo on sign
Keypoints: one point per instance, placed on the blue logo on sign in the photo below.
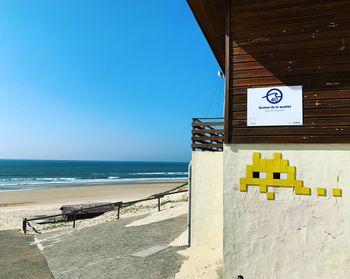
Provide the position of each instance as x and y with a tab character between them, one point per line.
274	96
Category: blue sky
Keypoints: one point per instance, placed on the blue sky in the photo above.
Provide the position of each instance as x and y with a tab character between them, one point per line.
103	80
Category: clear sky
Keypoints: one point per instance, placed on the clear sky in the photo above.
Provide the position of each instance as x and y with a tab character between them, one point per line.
103	80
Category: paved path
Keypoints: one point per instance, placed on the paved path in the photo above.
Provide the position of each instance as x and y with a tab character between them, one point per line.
111	250
19	258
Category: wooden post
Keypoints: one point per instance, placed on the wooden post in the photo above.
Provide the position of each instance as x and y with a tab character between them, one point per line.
74	220
228	61
158	203
24	225
118	210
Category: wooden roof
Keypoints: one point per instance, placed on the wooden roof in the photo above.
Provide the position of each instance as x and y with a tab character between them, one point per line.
210	15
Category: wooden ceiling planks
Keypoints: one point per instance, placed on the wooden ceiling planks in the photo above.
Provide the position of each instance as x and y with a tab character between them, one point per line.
210	15
292	43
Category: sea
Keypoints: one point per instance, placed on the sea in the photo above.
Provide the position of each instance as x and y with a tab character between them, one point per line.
18	175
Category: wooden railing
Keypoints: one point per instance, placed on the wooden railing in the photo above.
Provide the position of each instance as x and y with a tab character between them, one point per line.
207	134
114	206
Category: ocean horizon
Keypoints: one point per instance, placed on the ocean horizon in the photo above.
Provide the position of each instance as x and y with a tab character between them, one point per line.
17	175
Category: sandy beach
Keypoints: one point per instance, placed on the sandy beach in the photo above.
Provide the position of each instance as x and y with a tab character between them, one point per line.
16	205
201	263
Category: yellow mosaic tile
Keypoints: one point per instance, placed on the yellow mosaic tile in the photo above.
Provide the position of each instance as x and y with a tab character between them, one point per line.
256	157
276	168
269	164
285	183
284	163
303	191
270	195
262	168
272	173
243	187
291	175
291	169
321	192
277	156
270	182
336	192
263	188
263	163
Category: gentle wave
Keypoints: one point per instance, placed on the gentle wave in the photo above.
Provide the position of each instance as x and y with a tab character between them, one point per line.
95	176
160	173
48	179
39	183
52	180
80	182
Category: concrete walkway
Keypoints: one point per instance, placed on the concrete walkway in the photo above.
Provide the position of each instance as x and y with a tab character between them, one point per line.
111	250
20	258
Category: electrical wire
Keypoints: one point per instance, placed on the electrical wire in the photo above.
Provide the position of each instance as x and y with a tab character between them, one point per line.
213	97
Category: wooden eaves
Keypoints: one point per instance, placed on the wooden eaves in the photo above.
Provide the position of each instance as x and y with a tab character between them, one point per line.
210	15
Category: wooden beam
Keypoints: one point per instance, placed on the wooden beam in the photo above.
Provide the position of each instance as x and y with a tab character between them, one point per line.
228	56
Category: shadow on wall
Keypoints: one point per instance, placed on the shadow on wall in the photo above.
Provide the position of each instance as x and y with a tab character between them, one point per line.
291	44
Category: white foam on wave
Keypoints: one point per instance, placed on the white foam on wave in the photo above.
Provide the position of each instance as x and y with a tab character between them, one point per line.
160	173
40	183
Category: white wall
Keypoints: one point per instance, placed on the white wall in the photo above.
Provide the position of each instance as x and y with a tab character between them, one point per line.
291	236
207	200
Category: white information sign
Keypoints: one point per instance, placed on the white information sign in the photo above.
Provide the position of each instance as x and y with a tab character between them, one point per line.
275	106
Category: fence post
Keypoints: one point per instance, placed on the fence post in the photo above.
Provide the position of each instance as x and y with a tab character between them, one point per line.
24	225
74	220
158	203
118	210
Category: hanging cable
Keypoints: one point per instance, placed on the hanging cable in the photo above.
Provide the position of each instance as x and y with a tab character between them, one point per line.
213	96
220	101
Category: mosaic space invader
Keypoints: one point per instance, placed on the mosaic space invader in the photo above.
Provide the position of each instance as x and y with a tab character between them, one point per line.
276	172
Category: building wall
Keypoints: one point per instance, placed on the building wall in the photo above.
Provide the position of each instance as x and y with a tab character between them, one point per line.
207	200
293	236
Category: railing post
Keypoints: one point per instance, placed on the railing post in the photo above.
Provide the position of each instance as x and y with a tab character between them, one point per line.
74	219
25	221
24	225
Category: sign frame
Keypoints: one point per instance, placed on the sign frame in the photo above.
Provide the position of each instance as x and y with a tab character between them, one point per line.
275	106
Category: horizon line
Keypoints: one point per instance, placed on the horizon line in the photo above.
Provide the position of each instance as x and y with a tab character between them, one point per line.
92	160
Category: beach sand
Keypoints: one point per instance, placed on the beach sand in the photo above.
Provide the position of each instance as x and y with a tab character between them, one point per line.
16	205
201	262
